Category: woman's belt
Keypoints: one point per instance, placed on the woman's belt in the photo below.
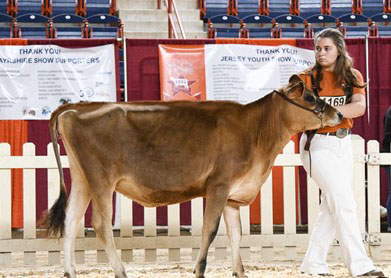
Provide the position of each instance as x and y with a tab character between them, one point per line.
340	132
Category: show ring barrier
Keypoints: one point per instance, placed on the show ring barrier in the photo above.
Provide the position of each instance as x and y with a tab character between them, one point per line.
367	193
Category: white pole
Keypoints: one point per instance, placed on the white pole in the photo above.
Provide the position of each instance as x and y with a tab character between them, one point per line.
367	71
117	220
125	75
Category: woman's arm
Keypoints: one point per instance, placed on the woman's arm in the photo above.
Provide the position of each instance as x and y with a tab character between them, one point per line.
355	108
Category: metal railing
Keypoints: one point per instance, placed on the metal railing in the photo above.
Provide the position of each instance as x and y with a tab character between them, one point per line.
172	12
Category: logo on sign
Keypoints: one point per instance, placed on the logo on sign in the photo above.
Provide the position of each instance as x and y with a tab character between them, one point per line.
181	85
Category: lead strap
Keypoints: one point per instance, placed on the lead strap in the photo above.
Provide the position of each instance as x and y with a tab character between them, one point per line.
310	135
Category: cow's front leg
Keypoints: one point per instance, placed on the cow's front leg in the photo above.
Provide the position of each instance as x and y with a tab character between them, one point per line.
216	199
234	232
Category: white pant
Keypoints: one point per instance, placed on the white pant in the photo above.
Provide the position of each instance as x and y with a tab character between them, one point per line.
332	169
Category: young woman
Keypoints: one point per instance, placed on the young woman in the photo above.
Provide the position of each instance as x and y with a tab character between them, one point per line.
327	155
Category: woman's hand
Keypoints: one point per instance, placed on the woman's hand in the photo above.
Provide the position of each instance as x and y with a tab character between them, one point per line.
355	108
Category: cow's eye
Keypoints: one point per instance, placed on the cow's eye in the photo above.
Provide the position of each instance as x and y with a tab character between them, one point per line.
309	99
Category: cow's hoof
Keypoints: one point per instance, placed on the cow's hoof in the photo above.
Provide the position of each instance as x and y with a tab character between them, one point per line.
67	275
235	274
122	276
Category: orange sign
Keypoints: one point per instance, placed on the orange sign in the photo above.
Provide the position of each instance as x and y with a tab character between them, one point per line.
182	72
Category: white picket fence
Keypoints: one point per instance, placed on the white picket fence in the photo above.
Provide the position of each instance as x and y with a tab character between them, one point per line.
290	241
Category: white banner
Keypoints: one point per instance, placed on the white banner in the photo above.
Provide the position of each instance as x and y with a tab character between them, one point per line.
36	79
244	73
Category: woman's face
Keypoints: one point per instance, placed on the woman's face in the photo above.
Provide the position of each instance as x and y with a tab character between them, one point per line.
326	53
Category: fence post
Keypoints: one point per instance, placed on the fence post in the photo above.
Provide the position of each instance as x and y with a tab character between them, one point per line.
5	201
289	193
245	219
174	254
374	199
29	204
358	145
267	217
150	231
53	193
126	225
197	216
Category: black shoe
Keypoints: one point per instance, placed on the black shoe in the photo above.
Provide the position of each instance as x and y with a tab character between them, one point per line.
373	273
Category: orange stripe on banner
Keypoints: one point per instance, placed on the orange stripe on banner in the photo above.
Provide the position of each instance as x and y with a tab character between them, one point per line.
15	133
13	42
277	175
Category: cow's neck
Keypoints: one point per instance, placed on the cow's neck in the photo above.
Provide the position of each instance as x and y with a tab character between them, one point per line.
266	117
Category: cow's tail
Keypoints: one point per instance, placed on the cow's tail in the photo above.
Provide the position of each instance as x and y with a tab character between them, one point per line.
54	219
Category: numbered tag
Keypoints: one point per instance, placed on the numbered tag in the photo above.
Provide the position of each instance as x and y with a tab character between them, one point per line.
335	101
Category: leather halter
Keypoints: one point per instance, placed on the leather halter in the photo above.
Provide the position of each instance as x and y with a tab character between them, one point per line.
318	110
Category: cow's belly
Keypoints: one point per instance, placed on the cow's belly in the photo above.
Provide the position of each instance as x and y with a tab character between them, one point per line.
152	197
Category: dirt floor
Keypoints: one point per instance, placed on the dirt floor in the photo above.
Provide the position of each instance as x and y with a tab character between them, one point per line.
254	268
183	270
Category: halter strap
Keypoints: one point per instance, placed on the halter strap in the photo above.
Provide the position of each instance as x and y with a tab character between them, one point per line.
318	111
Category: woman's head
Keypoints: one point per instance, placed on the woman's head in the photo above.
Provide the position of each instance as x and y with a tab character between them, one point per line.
331	55
330	51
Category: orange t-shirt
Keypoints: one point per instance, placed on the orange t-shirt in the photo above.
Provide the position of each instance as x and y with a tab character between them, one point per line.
334	95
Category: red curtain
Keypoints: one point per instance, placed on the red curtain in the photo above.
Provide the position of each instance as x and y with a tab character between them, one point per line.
379	87
379	98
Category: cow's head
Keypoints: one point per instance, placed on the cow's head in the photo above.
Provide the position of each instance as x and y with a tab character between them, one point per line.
306	111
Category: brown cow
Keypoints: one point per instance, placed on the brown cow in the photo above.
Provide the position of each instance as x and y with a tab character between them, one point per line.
161	153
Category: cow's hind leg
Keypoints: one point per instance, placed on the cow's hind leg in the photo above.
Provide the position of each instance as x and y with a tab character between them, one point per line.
216	199
77	206
234	232
101	222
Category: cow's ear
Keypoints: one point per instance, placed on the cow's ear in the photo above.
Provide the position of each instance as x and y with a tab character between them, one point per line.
297	85
295	79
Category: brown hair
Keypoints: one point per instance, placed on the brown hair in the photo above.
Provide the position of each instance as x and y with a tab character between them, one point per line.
344	64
